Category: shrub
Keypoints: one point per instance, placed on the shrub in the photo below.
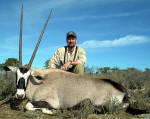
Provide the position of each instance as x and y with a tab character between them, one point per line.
7	84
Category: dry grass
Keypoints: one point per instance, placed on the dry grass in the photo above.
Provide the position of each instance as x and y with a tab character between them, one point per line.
135	81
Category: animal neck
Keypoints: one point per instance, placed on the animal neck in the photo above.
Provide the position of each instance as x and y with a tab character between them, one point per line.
33	84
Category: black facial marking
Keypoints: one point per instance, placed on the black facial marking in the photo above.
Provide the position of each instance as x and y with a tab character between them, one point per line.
21	84
23	70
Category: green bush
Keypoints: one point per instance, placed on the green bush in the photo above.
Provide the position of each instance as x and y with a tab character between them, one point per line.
7	84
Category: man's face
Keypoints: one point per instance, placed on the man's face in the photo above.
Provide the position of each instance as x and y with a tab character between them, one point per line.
71	41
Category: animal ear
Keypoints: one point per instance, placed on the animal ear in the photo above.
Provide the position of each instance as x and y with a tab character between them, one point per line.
10	68
36	75
33	73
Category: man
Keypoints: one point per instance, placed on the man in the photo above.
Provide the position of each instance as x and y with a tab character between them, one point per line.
71	57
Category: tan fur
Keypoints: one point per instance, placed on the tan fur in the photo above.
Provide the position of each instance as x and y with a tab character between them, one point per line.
63	89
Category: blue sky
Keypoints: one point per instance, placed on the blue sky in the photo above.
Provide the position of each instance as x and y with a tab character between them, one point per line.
114	33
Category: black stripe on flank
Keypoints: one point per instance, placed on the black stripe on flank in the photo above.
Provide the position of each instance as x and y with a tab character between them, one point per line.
41	104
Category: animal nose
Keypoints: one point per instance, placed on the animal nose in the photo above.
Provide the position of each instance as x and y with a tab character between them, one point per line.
19	96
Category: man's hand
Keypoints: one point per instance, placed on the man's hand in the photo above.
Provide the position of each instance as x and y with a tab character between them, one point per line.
65	66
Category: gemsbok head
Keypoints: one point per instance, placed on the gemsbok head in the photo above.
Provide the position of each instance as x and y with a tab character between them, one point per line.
24	72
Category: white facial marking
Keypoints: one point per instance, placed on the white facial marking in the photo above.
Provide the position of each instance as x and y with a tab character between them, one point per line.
20	92
13	69
25	76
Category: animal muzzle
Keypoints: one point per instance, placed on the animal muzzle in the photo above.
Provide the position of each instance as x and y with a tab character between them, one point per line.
20	94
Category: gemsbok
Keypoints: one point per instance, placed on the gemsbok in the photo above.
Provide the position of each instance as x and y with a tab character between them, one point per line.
56	89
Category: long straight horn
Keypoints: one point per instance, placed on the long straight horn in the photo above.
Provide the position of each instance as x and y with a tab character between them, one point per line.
20	39
37	45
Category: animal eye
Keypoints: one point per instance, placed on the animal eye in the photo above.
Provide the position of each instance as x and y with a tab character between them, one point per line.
23	70
39	77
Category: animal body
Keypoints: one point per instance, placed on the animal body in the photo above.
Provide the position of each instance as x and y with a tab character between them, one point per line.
54	88
59	89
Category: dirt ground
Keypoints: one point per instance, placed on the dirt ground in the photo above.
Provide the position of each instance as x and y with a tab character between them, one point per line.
6	112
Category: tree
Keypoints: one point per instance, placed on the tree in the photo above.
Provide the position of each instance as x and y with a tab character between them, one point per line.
46	64
88	70
106	69
11	62
1	67
99	70
147	69
115	69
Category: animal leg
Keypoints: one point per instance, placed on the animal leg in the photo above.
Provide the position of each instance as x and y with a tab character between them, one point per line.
30	107
117	99
54	102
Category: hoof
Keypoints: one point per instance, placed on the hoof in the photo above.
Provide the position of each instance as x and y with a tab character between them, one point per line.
47	111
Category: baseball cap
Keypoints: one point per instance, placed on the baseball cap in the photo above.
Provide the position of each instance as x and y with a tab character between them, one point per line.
71	33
